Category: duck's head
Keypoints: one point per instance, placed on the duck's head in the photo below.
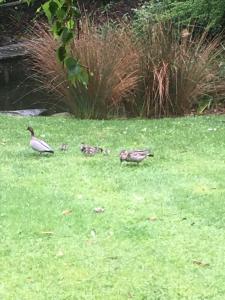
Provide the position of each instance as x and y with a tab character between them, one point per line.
31	130
123	155
82	147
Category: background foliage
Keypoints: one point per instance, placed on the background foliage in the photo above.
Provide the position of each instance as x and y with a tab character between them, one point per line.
206	13
158	65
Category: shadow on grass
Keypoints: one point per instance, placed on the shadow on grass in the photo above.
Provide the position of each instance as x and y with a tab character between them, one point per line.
37	155
133	165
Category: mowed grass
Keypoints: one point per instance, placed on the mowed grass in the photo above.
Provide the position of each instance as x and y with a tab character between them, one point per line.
162	234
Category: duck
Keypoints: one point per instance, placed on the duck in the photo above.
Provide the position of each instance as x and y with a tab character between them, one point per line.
90	150
37	144
134	155
64	147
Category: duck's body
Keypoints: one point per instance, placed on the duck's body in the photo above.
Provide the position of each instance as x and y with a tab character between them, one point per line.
90	150
39	145
134	155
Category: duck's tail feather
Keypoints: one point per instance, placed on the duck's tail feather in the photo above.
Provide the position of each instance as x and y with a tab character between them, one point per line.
49	151
150	154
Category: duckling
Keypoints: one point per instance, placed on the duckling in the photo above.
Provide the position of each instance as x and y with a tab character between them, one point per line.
134	156
64	147
38	145
90	150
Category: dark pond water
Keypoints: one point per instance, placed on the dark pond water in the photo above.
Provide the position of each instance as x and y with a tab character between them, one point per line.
18	90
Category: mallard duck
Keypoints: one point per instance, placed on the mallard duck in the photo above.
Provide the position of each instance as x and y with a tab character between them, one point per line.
38	145
90	150
134	155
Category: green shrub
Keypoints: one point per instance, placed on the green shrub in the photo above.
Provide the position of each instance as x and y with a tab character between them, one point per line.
206	13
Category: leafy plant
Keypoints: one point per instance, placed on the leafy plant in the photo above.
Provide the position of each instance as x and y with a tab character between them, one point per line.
63	18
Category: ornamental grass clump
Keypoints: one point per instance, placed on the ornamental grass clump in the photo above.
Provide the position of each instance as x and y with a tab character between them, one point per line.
111	61
176	69
161	71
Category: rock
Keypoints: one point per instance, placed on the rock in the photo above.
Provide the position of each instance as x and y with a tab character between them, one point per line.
13	50
99	209
25	112
62	114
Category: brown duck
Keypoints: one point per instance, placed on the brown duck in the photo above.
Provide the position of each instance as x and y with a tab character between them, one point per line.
90	150
135	155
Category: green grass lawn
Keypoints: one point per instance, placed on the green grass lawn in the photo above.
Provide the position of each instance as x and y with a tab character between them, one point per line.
162	234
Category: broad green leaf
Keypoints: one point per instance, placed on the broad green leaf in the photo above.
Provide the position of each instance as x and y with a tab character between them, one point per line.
71	66
83	76
61	53
46	10
53	7
61	13
57	28
75	71
75	11
64	6
70	24
66	35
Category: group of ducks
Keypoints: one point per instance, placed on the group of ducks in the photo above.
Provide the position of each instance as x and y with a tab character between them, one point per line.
129	156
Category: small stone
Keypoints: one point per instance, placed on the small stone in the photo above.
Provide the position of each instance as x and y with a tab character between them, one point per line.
62	114
47	232
93	233
99	209
152	219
